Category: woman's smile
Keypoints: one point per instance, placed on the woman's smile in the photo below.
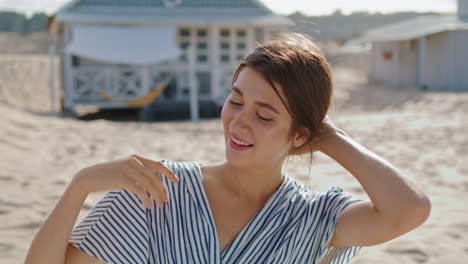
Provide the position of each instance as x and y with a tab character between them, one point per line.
239	145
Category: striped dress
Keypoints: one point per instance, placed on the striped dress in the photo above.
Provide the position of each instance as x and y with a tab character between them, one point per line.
294	226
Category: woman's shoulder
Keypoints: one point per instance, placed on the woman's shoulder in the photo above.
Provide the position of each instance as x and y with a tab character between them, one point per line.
183	169
192	169
179	164
322	198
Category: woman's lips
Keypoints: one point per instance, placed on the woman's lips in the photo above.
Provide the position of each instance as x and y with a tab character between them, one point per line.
238	147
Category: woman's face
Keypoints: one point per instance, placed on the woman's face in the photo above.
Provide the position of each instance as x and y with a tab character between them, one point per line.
256	123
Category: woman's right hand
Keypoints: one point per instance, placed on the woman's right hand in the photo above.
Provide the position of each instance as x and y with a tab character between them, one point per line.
134	173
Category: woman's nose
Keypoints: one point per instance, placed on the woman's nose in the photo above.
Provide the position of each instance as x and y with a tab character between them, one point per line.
242	120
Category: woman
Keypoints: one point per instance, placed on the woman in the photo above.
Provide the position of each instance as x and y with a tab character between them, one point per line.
243	209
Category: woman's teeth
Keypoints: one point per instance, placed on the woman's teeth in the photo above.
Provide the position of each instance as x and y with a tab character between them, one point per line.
240	142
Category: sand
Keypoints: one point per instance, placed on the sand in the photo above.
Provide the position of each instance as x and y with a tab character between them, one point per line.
422	133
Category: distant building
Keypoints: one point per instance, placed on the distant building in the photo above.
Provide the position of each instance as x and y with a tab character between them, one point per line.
114	52
430	52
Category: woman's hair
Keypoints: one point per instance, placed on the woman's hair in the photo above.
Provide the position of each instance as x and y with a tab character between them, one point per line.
295	63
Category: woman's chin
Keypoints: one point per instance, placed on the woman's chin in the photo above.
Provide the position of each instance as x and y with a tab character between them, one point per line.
237	159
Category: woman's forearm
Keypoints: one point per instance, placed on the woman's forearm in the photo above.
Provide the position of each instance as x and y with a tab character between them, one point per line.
50	243
391	193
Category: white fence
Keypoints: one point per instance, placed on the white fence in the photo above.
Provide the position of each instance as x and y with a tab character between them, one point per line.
90	85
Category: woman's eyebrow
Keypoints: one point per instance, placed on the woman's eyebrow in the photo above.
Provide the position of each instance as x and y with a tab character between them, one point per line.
237	90
261	104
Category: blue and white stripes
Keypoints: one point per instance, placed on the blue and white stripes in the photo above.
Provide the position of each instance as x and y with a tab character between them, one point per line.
116	229
294	226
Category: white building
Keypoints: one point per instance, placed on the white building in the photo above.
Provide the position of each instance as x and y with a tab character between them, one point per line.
115	52
430	52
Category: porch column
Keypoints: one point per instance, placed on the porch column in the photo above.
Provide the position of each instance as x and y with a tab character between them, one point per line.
145	80
232	44
52	51
215	64
396	66
68	71
250	39
68	89
372	62
454	81
194	114
421	62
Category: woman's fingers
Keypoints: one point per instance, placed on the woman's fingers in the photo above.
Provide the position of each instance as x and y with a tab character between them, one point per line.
139	191
151	180
147	184
157	166
155	189
139	175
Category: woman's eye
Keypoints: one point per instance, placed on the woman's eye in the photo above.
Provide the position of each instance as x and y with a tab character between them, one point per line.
259	116
263	118
234	103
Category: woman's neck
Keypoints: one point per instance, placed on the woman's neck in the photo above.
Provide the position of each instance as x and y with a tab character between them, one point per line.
254	185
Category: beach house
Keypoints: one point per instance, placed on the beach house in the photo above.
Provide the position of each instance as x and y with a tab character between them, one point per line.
429	52
130	54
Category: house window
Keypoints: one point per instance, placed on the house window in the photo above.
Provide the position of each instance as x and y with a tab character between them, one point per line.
184	45
201	33
227	45
240	45
241	33
184	32
196	37
75	61
202	58
204	83
225	33
202	45
225	58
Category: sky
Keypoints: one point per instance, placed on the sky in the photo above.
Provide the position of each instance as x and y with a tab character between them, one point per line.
285	7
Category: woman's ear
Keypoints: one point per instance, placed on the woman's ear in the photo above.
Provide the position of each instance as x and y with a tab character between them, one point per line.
301	137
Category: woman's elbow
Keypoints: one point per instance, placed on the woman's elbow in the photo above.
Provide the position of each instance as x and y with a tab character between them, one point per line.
417	214
423	209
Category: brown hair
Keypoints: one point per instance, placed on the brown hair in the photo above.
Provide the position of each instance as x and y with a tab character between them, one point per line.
296	64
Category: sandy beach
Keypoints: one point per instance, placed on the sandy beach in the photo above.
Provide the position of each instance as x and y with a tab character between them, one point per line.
422	133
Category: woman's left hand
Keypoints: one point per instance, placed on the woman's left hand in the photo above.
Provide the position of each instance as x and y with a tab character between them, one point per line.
328	129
